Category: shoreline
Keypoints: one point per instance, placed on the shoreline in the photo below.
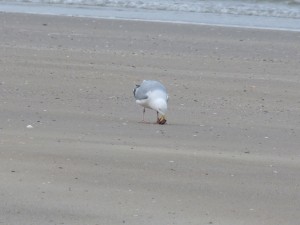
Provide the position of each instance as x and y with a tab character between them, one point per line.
209	19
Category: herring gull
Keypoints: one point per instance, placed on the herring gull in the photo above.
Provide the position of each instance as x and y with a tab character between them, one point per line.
153	95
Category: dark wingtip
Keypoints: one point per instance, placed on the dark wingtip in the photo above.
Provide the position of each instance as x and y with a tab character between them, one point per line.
134	89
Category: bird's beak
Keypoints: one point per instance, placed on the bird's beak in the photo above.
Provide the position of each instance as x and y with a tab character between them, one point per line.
161	120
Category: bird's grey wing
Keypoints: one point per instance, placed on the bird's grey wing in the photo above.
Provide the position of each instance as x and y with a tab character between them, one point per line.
140	92
151	85
147	86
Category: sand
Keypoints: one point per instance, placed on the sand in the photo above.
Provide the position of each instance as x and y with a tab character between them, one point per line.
72	150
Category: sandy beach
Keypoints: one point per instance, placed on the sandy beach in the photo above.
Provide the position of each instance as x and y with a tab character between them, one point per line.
72	150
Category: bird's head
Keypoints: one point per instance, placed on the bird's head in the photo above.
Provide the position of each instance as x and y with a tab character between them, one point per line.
160	105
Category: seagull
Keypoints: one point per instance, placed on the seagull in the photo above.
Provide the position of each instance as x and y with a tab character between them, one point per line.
153	95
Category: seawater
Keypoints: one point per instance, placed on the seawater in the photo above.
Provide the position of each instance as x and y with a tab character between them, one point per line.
266	14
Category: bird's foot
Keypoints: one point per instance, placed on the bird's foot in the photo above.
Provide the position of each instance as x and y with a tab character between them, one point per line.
145	122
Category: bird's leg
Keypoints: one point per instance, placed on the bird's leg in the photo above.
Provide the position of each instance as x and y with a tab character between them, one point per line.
144	115
143	121
157	120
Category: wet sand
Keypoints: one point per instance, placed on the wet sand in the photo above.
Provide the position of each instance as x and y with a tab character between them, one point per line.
229	154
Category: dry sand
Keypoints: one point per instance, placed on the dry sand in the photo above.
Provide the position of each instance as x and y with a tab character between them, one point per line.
229	155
